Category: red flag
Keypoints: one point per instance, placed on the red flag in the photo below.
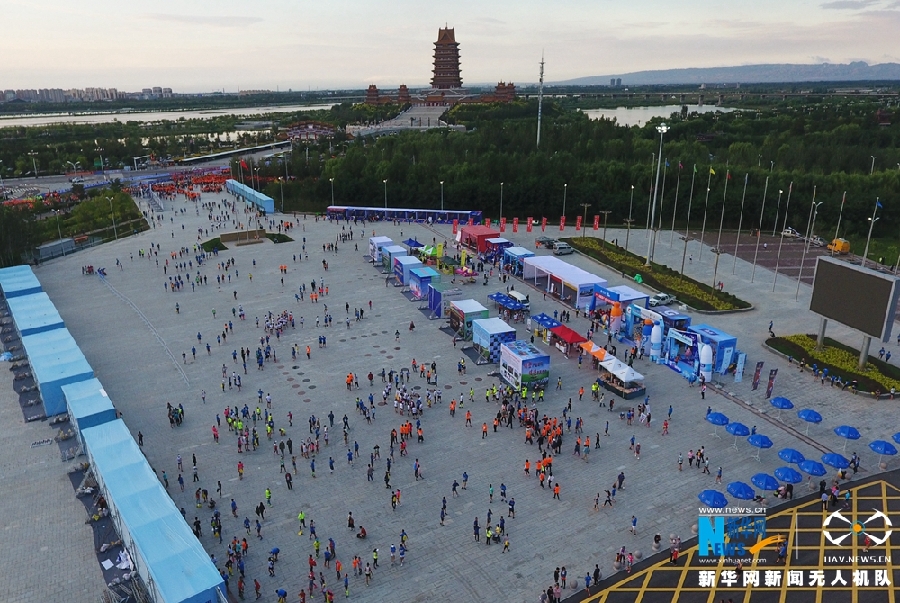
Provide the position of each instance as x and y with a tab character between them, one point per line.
543	224
515	225
562	223
502	224
471	221
577	223
596	222
455	226
530	223
244	165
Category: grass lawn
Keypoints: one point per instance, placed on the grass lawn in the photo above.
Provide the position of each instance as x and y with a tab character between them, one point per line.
278	237
212	244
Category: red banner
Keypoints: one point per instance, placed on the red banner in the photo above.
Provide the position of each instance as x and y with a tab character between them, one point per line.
596	222
530	224
562	223
455	226
471	221
543	224
502	224
515	225
577	223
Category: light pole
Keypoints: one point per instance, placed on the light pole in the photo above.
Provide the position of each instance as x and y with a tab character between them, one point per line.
777	211
442	195
74	166
59	231
501	200
33	154
385	192
256	171
686	240
840	215
584	222
872	221
631	202
781	240
100	153
811	226
566	188
284	158
651	235
113	214
759	230
772	167
331	180
872	169
627	232
605	213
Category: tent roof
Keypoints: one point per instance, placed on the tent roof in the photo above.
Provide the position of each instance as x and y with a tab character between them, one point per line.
565	271
478	230
406	259
380	240
505	301
548	322
710	333
492	326
391	249
468	306
18	280
425	272
524	349
627	294
497	241
34	311
86	398
412	243
567	334
55	356
518	252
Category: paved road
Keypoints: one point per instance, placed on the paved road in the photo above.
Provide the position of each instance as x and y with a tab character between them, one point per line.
135	340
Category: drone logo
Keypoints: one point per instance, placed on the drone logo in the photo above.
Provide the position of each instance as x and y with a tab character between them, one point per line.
858	528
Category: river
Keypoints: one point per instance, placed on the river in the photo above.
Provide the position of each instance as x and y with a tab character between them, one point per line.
143	116
638	116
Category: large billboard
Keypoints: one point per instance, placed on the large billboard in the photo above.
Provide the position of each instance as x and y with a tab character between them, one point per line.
860	298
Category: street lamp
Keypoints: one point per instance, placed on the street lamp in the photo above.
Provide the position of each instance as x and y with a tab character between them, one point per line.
102	165
584	222
331	180
811	226
74	166
605	213
787	207
385	192
113	213
872	221
565	190
33	154
256	170
686	240
872	169
759	230
627	232
501	200
838	228
442	195
662	129
631	202
777	210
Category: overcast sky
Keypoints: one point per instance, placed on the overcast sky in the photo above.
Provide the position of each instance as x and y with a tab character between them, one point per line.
194	45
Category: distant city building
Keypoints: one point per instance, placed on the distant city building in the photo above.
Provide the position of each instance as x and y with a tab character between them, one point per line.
446	73
612	81
618	81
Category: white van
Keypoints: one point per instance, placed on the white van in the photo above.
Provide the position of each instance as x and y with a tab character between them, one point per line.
521	298
562	249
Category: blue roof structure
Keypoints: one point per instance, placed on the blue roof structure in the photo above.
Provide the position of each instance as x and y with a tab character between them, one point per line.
34	313
518	252
88	404
170	559
56	360
18	280
547	322
254	197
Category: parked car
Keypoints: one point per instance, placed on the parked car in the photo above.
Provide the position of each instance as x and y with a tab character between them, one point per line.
545	242
817	241
790	232
662	299
562	249
841	246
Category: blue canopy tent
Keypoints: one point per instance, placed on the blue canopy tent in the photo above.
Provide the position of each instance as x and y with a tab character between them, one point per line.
781	404
251	196
848	433
881	448
812	467
505	301
88	405
18	280
789	455
34	313
789	475
541	325
412	243
514	258
713	499
55	361
169	559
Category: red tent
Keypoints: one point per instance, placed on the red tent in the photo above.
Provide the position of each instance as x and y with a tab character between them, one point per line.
567	335
477	236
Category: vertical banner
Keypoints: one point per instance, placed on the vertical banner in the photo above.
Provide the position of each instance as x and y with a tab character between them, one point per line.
771	384
577	223
543	224
562	223
471	221
529	224
739	367
455	226
596	222
502	224
515	225
756	374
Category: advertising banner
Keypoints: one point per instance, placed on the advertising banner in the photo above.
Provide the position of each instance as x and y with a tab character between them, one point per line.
543	224
756	374
577	223
515	225
455	226
596	222
771	384
562	223
502	224
739	368
530	224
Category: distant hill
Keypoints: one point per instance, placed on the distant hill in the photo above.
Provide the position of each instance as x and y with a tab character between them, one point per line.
749	74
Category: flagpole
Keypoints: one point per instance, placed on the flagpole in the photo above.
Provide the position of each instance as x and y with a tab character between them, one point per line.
662	195
810	227
650	200
718	249
759	230
840	215
675	206
781	241
740	223
868	238
687	224
705	208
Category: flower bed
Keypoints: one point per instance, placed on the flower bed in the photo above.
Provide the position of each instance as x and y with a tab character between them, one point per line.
840	360
660	277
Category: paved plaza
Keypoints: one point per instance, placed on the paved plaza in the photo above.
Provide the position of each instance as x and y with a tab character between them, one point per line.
141	350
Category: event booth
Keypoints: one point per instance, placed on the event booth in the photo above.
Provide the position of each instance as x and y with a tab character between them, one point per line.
621	379
509	308
540	326
563	338
250	196
487	336
420	278
636	317
495	247
514	259
56	360
402	266
375	246
440	295
523	365
561	280
462	313
682	352
88	405
34	313
388	254
476	236
623	294
723	346
16	281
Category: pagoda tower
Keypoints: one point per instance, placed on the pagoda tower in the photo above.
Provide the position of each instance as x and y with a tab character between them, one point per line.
446	61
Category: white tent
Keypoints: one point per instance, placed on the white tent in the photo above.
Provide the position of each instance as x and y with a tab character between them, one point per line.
621	370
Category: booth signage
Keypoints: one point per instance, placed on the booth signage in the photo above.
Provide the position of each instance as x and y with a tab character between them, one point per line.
771	384
756	375
739	368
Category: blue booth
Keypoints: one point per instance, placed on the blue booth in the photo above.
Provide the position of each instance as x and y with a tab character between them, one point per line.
420	278
514	259
724	346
